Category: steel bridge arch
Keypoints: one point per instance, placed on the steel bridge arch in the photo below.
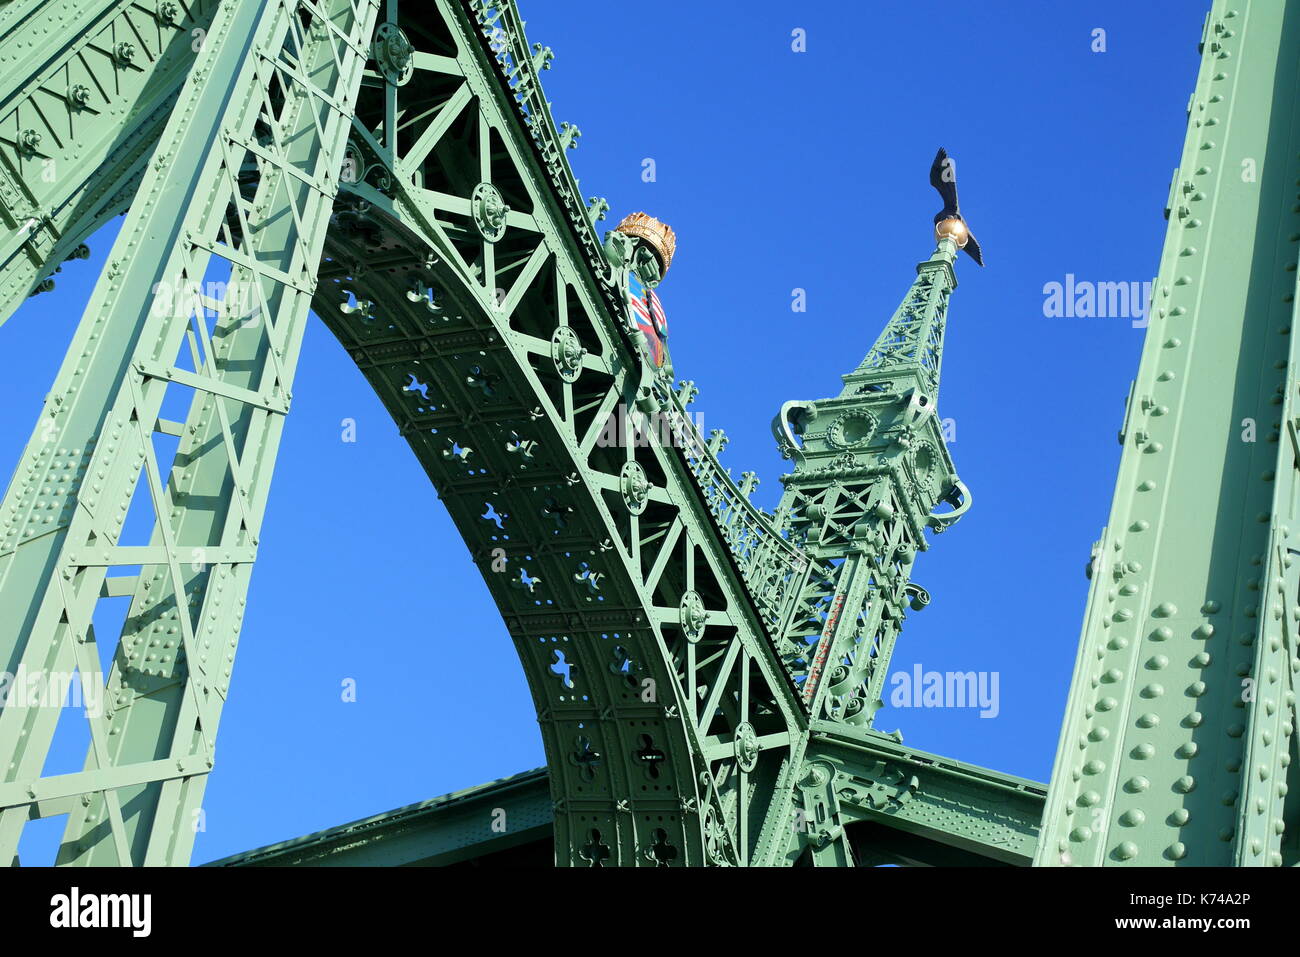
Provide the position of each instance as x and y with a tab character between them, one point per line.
592	556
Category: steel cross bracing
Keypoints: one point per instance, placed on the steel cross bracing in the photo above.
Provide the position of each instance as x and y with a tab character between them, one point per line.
271	92
81	110
1179	742
402	172
870	466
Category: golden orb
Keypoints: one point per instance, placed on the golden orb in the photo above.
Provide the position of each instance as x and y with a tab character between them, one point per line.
659	235
954	229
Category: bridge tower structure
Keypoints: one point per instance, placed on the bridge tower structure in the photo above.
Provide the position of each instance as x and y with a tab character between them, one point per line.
870	465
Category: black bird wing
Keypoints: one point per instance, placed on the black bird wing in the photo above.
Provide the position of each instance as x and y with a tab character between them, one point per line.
973	247
943	177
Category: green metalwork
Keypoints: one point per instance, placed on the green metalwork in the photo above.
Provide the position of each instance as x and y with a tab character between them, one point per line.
899	806
466	333
870	465
238	193
78	121
511	821
1178	742
705	674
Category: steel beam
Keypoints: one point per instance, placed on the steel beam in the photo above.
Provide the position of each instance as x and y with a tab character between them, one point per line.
1178	742
472	825
83	103
271	90
900	806
677	640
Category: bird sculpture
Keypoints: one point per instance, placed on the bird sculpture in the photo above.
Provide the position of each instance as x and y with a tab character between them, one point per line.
949	220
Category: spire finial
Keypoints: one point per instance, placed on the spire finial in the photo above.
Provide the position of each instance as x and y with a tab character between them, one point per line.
949	220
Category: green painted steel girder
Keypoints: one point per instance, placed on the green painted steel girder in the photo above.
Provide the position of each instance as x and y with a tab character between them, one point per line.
81	110
511	821
501	351
919	807
933	809
1179	735
271	89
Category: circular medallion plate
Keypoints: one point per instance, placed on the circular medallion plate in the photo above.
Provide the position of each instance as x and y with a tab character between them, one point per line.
394	54
635	486
567	352
746	746
852	429
693	616
489	210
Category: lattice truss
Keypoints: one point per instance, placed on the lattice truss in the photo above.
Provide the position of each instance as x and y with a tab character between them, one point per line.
67	164
914	335
876	556
200	309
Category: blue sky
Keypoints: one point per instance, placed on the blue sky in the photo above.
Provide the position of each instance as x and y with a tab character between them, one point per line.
779	170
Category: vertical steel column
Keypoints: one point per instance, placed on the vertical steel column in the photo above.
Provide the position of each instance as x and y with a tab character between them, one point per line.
1180	720
230	221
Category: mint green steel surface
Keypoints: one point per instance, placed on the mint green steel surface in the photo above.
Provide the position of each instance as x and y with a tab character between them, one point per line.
870	465
82	107
510	820
1178	739
496	333
400	170
270	91
920	807
899	806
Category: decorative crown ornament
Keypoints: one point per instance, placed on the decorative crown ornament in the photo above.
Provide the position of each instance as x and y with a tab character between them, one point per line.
659	235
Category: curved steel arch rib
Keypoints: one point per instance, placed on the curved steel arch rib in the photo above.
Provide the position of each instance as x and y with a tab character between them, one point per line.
665	733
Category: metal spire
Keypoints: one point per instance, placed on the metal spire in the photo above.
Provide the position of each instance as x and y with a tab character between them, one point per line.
912	342
870	465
